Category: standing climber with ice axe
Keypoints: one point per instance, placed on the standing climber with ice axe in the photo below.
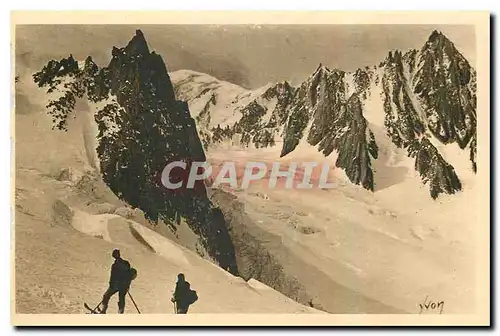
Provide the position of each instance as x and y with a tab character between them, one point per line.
121	278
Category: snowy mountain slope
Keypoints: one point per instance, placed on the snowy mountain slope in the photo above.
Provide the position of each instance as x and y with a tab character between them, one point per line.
419	101
67	221
357	251
218	104
200	89
58	267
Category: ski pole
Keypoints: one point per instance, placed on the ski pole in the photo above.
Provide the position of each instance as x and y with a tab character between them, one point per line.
97	306
131	298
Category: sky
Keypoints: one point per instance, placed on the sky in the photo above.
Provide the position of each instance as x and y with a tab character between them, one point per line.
247	55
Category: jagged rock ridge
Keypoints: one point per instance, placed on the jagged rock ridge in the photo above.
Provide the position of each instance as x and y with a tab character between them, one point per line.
428	96
141	127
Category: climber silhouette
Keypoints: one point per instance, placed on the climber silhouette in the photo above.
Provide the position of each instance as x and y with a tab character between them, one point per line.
183	296
119	282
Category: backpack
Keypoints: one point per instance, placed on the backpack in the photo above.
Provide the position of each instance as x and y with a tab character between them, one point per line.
133	273
193	297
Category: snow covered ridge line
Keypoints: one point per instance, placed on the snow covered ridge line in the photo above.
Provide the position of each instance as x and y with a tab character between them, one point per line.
181	175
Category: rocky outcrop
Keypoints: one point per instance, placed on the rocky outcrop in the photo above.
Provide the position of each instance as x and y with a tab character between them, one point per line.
407	129
141	126
445	85
431	94
337	124
263	118
435	170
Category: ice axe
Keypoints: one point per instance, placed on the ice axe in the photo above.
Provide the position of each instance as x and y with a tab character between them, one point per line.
175	304
131	298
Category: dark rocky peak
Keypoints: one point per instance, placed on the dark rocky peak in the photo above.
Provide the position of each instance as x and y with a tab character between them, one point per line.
139	33
435	35
332	80
439	50
362	79
89	60
438	38
90	68
394	58
409	58
278	90
320	70
54	70
324	75
116	52
139	131
441	80
410	54
135	64
444	83
136	47
434	170
438	45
